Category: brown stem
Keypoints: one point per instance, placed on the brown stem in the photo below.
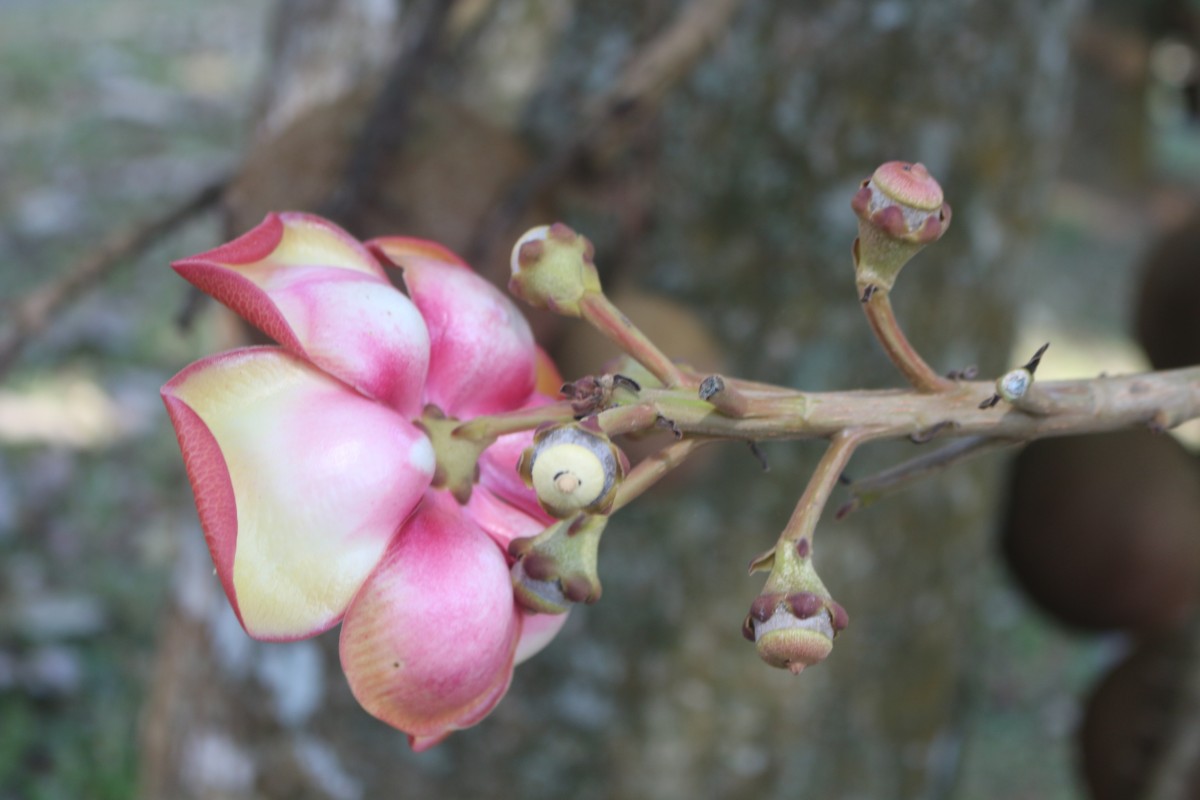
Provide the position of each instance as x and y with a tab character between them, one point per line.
653	468
878	307
870	489
32	313
492	426
1156	399
599	311
829	469
725	396
628	419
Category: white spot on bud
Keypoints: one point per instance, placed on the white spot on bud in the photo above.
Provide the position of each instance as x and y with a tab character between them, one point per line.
1013	385
538	234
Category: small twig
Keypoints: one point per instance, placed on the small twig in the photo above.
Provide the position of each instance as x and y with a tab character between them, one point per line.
605	317
867	490
757	452
491	426
877	305
653	468
642	83
803	522
724	396
30	315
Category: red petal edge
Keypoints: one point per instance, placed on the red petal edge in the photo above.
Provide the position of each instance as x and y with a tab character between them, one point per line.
211	486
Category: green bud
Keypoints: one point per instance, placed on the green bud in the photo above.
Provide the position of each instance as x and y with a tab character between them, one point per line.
553	268
557	567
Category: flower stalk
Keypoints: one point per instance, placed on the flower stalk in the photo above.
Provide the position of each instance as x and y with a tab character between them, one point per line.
489	427
605	317
877	305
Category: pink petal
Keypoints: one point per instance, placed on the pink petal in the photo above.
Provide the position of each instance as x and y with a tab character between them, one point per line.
504	522
318	292
498	473
537	631
483	358
501	520
428	644
300	483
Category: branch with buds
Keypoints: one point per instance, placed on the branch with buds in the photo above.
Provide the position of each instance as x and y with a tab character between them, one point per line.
577	472
398	463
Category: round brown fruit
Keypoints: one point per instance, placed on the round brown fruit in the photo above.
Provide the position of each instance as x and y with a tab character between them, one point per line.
1103	531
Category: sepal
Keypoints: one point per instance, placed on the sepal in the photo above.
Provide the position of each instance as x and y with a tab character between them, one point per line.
557	568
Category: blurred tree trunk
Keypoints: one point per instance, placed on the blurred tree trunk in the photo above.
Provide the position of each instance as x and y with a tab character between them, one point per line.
730	194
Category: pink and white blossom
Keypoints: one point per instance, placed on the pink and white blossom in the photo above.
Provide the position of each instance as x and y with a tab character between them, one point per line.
314	485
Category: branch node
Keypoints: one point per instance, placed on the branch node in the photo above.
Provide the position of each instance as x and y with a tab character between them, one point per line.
928	434
711	386
967	373
670	425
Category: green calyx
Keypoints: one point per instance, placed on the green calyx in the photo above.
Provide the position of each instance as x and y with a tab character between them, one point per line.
558	567
457	467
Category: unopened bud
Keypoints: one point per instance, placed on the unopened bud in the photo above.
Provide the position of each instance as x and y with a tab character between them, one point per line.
557	567
553	268
900	209
572	470
794	620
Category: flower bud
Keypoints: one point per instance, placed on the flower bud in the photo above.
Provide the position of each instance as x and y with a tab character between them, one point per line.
900	210
573	470
794	620
553	268
558	566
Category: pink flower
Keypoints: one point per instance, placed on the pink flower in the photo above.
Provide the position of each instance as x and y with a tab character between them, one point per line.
314	485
